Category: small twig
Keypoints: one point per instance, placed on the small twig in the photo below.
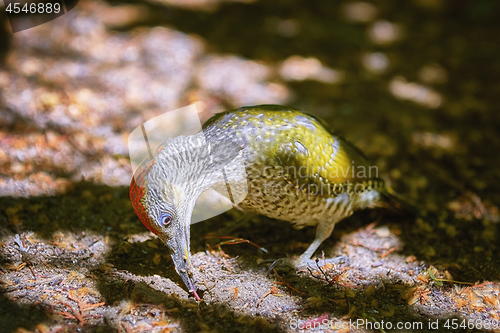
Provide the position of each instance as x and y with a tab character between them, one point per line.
323	272
314	276
32	271
236	292
223	257
273	291
76	314
372	225
453	281
388	252
438	281
236	240
80	313
326	279
43	262
260	300
289	286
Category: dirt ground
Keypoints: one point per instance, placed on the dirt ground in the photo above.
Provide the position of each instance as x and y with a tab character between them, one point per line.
74	257
98	270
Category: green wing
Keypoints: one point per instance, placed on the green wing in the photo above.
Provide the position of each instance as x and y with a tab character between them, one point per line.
297	144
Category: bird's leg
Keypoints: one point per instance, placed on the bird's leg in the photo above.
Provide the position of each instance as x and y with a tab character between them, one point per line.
323	231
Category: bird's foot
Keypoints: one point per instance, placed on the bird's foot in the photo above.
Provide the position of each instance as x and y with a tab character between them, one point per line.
282	263
302	262
312	263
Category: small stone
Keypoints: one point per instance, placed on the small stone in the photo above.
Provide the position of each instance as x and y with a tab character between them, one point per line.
383	232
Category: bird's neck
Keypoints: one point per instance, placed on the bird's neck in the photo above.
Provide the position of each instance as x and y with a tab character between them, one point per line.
198	162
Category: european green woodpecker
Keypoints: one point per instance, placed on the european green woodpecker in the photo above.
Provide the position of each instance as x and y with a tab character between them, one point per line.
296	169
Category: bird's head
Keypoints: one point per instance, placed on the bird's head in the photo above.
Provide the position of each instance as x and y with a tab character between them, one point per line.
167	212
164	190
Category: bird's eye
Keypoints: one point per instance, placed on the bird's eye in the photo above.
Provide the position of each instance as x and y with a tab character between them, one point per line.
165	219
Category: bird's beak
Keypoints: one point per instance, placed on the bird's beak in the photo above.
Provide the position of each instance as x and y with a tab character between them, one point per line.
179	247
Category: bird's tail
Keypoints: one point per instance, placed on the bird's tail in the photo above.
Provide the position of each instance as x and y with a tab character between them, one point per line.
392	201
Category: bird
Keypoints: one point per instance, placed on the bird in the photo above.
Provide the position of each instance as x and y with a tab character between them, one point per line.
296	168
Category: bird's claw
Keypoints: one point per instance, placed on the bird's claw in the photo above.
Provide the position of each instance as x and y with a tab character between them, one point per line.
343	259
287	262
301	262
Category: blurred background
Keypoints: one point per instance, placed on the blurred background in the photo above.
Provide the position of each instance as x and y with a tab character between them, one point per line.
414	84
